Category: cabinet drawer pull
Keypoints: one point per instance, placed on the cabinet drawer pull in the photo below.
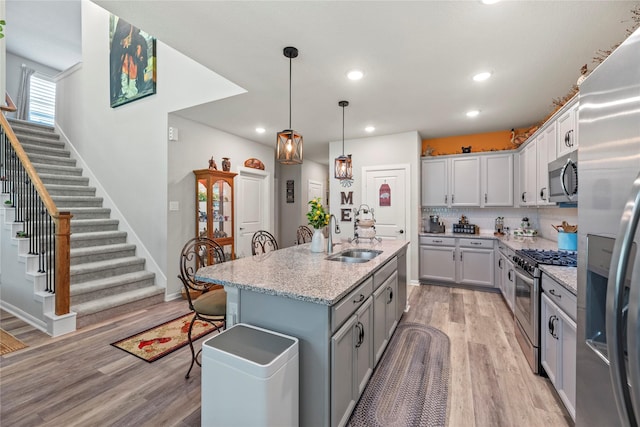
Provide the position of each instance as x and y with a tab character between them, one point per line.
437	241
360	299
475	243
553	292
485	197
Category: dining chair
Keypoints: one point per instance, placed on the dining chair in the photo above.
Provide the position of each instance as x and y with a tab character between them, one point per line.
263	242
211	304
303	235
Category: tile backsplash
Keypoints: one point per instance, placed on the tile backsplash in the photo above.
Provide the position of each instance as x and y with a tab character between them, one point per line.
540	219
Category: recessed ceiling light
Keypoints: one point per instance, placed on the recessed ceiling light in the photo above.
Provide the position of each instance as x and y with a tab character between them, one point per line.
369	129
489	1
355	75
473	113
260	130
482	76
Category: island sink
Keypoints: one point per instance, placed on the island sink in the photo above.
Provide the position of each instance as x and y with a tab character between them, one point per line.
355	255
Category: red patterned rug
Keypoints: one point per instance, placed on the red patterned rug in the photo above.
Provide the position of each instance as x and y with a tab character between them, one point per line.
157	342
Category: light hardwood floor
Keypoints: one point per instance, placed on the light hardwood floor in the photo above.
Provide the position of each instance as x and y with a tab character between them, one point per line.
81	380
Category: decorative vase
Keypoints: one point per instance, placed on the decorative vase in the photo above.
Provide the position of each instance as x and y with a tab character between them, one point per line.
226	164
317	240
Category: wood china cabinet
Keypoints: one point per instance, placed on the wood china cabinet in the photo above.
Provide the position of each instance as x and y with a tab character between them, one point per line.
214	208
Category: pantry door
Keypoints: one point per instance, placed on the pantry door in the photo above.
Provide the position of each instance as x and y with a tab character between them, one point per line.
253	207
386	189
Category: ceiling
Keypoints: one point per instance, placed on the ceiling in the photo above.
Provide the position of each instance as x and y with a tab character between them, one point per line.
418	58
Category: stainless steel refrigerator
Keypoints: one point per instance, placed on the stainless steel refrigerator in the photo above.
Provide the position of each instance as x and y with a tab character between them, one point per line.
608	335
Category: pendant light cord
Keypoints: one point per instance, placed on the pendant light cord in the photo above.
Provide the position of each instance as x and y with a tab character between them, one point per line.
289	93
343	130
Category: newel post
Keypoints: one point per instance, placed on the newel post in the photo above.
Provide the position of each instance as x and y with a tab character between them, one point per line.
63	259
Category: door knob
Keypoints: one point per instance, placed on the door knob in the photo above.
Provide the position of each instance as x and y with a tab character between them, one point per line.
401	231
241	228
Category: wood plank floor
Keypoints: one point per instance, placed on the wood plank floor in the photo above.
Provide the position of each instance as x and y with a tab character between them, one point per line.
81	380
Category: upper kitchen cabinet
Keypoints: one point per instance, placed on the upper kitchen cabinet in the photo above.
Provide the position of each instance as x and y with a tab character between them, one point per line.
567	124
528	174
468	181
214	208
497	180
435	182
546	153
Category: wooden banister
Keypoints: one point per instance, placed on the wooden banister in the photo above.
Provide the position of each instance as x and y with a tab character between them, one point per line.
62	223
8	106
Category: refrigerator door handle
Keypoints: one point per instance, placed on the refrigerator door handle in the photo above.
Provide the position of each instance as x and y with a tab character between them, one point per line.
615	293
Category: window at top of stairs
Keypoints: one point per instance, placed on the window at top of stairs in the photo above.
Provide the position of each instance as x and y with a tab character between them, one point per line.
42	100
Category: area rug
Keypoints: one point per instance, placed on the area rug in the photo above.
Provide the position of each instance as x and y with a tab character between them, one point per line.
410	385
9	343
156	342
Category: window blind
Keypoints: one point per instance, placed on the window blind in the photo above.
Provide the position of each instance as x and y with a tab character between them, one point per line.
42	100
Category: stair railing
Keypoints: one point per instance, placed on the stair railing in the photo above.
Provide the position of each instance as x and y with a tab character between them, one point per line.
48	229
8	106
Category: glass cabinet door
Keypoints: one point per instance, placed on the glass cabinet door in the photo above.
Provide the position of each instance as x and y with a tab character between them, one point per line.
202	207
221	209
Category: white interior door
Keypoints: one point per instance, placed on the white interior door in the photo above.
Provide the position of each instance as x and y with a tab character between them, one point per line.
316	189
386	190
252	207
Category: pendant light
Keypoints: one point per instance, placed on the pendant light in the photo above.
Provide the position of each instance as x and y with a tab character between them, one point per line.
289	142
343	167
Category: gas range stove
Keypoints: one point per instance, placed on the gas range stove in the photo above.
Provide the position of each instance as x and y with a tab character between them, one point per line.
529	259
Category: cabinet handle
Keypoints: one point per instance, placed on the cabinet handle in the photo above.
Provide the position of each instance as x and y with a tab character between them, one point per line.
360	329
453	255
452	198
475	243
460	255
356	301
445	198
553	292
570	138
542	193
390	295
485	197
552	326
437	241
500	263
509	275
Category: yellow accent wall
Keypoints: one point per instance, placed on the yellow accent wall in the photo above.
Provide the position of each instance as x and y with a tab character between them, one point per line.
491	141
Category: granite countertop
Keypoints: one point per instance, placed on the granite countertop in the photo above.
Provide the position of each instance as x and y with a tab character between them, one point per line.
298	273
566	276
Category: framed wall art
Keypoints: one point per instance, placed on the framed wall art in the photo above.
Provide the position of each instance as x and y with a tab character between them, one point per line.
132	62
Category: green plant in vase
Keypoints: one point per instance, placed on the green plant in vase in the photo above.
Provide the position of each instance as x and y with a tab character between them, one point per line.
317	216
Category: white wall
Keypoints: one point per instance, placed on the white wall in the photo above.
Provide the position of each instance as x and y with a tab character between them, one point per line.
402	148
196	144
288	213
3	52
127	147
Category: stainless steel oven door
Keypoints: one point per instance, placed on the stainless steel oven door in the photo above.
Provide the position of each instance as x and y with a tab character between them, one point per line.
526	310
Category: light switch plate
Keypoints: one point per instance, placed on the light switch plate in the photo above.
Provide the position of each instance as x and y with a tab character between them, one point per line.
174	206
173	133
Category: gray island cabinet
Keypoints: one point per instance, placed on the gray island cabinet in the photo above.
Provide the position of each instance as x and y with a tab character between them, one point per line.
343	314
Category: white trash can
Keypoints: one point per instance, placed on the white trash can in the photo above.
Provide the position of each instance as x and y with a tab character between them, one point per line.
249	378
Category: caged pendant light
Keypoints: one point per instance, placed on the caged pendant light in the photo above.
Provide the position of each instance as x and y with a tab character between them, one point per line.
343	167
289	142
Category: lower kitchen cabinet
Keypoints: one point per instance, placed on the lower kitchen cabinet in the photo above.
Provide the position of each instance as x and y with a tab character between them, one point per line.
467	261
558	342
505	275
351	362
385	300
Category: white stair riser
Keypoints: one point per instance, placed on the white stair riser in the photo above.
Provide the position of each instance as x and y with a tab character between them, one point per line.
108	291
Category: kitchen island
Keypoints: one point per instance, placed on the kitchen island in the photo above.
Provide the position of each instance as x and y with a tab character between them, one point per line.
342	313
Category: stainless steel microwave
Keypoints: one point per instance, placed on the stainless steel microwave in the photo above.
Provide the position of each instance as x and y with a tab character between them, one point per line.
563	179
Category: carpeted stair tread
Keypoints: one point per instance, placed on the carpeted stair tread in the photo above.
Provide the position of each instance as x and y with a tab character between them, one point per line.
110	282
80	212
105	303
52	160
27	126
93	225
59	170
48	151
52	141
98	235
101	249
70	190
77	201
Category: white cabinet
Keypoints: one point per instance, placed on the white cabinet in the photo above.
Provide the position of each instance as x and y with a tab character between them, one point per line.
451	181
528	173
385	314
351	362
505	275
435	182
546	153
558	340
465	181
567	123
457	260
497	180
